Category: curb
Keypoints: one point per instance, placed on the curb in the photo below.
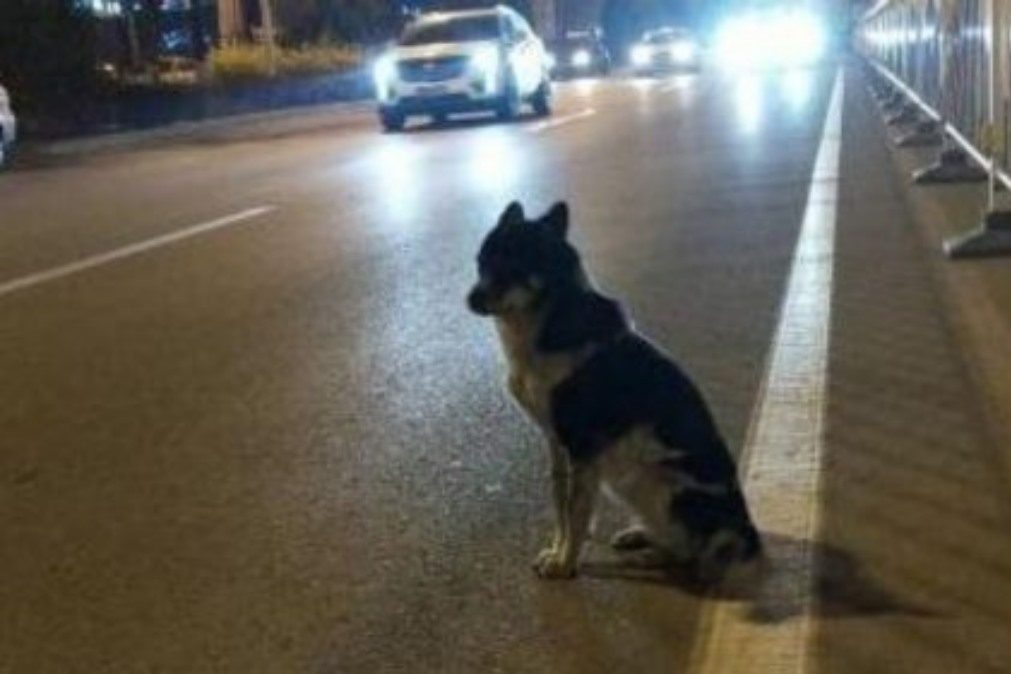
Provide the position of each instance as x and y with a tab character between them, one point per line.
246	126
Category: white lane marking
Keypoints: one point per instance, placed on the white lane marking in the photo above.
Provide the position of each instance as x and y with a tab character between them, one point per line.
555	122
782	460
38	278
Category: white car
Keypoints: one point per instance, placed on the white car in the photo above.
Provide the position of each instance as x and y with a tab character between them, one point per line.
666	49
8	126
472	60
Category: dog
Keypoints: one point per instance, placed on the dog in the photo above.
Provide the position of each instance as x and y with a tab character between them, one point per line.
617	413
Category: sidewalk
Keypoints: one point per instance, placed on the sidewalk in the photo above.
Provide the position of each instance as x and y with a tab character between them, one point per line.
916	566
250	126
976	293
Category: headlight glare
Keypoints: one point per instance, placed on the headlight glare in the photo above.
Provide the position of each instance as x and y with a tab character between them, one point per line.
485	61
383	73
683	51
641	55
581	58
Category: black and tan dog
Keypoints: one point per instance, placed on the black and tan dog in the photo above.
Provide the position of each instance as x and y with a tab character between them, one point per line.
616	411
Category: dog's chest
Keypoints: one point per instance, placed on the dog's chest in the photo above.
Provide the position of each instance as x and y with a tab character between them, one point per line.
533	375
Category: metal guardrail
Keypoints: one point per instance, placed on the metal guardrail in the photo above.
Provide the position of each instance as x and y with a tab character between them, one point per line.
951	59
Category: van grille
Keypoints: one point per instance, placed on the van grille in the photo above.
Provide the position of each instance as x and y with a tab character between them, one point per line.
433	69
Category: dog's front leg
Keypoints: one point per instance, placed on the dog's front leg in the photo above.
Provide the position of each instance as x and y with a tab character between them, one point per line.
583	483
560	496
560	493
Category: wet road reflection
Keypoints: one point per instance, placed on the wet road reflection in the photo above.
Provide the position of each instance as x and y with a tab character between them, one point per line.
492	162
757	94
396	166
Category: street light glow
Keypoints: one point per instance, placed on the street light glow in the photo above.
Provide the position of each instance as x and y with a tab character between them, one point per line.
640	55
772	40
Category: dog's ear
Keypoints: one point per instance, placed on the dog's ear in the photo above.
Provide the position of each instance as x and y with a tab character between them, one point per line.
558	219
513	215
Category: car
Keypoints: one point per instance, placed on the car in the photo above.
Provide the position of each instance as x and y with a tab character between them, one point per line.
463	61
580	53
8	126
666	49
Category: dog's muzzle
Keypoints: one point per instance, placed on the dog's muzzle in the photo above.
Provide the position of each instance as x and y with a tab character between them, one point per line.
478	300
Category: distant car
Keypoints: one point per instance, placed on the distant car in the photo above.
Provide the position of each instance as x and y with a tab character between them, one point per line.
463	61
666	49
578	54
8	126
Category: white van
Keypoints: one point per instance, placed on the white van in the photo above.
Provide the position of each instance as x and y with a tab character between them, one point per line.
446	62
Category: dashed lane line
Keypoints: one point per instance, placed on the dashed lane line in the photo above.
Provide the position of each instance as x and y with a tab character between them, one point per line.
94	261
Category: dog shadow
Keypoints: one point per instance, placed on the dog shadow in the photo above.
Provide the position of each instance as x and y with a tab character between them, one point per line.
773	587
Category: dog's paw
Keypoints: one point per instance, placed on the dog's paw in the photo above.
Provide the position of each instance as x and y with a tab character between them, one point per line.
551	564
632	539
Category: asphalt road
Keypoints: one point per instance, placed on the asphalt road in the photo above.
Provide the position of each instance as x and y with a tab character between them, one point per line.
279	443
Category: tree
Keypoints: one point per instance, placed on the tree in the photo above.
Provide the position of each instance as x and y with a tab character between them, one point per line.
524	7
47	53
624	21
303	21
299	20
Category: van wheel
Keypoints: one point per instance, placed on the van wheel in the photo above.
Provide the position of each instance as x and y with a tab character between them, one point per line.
392	120
541	100
509	105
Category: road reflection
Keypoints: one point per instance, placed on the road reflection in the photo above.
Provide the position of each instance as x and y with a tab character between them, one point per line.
397	165
759	93
493	162
749	103
797	87
585	87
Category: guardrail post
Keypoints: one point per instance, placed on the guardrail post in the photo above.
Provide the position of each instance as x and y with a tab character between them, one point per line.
953	164
993	237
893	102
907	114
927	133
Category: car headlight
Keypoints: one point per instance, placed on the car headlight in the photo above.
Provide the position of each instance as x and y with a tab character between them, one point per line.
641	55
383	73
581	58
683	51
485	63
551	60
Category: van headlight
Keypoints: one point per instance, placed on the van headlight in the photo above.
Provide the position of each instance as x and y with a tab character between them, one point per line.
384	72
641	55
581	58
485	63
683	51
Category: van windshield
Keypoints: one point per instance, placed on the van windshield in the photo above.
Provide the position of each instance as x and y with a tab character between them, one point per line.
463	29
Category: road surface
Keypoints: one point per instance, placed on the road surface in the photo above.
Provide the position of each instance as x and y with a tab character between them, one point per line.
247	424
